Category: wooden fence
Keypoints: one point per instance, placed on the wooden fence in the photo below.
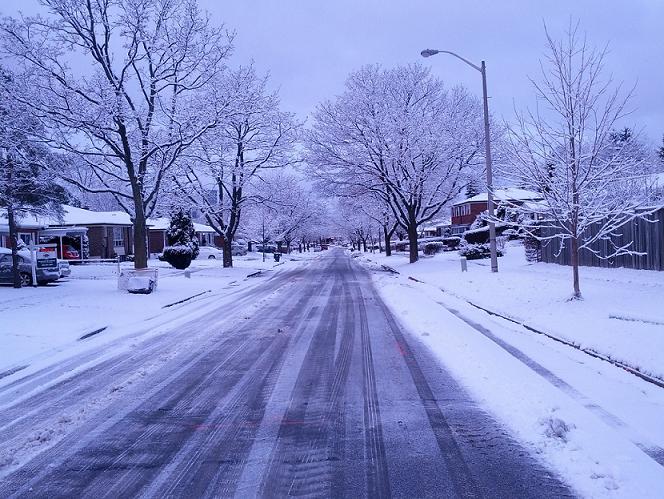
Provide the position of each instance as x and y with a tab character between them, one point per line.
647	236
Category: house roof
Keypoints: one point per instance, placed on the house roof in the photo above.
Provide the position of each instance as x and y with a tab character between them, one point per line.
162	223
80	216
25	221
507	194
71	216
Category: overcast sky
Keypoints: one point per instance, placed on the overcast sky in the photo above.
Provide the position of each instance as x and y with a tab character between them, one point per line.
309	47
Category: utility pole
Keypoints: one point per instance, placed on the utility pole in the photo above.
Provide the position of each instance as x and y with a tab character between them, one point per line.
487	151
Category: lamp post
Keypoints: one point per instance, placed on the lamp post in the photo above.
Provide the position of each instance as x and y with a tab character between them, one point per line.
487	146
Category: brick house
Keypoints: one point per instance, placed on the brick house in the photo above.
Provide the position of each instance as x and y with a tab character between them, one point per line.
157	234
465	212
110	233
28	227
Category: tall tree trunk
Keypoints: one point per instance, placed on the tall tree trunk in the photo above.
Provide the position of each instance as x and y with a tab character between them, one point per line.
412	242
140	242
574	247
388	242
228	252
13	241
364	244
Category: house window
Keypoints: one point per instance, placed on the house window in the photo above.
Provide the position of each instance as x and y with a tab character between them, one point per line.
118	240
26	237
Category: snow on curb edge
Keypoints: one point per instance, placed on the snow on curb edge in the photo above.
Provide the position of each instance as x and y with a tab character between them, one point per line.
655	380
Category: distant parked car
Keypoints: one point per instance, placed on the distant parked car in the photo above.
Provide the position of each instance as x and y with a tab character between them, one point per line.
209	253
269	248
238	249
44	276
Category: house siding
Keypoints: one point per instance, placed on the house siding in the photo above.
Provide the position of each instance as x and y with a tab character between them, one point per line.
468	218
156	240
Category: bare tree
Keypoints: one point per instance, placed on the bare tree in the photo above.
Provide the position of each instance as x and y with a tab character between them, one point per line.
131	116
285	210
378	211
253	137
398	135
567	150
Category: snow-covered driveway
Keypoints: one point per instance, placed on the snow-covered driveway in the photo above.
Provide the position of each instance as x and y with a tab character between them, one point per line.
303	385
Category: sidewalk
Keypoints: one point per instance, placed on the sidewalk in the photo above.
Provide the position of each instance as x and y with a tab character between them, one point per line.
621	315
598	426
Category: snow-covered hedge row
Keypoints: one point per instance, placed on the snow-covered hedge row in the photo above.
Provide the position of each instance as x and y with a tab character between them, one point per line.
434	247
477	251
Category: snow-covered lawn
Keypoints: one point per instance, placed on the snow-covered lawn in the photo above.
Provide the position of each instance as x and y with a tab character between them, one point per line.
621	315
38	323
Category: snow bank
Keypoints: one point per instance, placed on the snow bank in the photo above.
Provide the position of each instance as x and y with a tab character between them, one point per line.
597	460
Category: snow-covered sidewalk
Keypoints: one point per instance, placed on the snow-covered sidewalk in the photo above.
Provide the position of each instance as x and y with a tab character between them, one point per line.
39	323
620	317
597	425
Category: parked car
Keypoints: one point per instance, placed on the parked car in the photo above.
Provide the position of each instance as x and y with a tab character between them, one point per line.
70	253
64	268
238	249
269	248
209	253
44	276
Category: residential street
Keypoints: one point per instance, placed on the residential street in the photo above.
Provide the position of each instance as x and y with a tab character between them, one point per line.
318	392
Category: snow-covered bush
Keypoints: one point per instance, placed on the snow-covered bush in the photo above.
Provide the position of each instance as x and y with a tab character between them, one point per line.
434	247
477	251
452	242
181	232
179	256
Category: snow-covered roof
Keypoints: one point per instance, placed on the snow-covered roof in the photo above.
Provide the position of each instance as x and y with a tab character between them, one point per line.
507	194
24	221
72	216
80	216
162	223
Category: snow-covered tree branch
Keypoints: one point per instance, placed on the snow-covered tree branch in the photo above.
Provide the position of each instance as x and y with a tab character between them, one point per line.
568	149
398	135
253	136
139	105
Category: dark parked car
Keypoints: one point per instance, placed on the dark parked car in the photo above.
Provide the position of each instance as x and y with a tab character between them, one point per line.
44	276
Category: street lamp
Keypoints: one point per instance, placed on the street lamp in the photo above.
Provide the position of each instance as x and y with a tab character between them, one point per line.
487	146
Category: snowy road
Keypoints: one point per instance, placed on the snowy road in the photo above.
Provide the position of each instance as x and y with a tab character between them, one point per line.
318	391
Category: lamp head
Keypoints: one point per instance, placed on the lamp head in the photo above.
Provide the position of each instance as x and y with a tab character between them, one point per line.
429	52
